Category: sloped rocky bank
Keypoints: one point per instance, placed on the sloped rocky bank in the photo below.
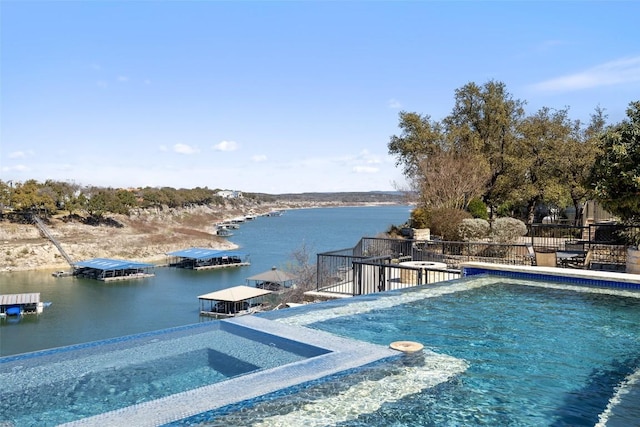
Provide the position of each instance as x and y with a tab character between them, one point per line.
145	235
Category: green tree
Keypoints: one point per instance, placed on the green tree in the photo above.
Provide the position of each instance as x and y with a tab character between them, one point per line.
484	122
615	176
124	201
477	208
576	158
98	203
152	197
31	196
63	193
535	168
420	137
108	200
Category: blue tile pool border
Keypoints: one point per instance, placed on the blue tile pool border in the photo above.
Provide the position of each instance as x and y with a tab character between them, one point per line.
108	341
561	275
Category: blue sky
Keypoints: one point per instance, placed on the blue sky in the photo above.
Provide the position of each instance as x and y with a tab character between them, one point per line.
277	97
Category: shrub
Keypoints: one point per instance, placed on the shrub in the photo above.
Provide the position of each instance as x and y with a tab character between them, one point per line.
445	222
508	230
477	208
474	229
419	218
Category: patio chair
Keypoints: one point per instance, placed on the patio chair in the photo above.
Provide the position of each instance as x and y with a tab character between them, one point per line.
531	254
546	258
584	263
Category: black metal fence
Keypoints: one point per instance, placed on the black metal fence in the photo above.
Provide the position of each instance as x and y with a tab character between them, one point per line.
596	234
372	275
369	247
374	264
335	268
456	253
607	241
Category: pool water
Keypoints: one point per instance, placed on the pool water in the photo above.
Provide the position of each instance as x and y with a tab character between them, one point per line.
58	386
535	354
498	352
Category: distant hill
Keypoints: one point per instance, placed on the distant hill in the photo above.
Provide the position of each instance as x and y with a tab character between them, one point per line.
345	197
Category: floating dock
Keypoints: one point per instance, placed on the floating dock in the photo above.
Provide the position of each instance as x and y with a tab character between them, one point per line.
273	280
207	259
232	302
108	270
19	304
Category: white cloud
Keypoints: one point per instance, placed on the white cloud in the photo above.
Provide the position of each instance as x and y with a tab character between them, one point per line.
626	70
185	149
365	169
20	154
16	168
226	146
259	158
395	104
123	79
368	158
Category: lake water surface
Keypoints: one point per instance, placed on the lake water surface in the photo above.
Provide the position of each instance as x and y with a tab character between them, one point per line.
86	310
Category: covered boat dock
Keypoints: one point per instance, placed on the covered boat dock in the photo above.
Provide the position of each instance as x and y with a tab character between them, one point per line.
231	302
108	270
272	280
207	259
19	304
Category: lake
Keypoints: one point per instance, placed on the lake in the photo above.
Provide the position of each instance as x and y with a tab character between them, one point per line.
85	310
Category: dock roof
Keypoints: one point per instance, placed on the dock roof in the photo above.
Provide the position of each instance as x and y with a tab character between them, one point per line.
14	299
204	253
274	275
235	294
111	264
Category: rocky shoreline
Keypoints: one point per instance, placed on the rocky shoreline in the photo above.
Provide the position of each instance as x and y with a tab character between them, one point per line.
144	236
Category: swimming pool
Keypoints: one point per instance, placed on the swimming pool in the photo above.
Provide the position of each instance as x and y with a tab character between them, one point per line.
52	387
498	351
537	356
536	353
163	376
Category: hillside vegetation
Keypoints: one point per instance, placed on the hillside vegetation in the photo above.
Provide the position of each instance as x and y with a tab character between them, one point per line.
146	234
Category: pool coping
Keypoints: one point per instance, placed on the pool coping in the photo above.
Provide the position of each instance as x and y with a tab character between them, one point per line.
343	354
565	275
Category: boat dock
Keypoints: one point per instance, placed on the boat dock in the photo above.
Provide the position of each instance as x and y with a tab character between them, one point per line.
108	270
232	302
19	304
207	259
273	280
